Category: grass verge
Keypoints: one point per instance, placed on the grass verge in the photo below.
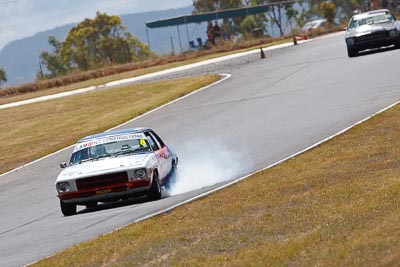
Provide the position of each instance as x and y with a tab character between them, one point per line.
336	205
35	130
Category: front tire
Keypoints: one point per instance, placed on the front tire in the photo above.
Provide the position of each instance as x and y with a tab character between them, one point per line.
351	52
67	209
155	189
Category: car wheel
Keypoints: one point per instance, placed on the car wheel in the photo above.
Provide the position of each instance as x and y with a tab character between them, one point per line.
68	209
351	52
155	189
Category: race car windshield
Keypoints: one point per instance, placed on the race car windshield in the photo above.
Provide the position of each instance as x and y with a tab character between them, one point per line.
380	18
111	149
374	19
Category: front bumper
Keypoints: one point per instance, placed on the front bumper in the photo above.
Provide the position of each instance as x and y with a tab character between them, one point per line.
106	193
373	40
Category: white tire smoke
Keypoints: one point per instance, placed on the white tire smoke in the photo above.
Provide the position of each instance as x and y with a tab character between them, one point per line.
203	164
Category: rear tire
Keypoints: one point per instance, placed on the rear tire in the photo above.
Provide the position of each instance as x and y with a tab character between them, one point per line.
67	209
172	176
155	189
351	52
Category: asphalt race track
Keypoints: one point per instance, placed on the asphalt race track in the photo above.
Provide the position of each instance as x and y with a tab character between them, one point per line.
267	110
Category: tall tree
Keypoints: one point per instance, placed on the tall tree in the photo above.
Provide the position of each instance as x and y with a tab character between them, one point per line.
93	43
346	6
291	14
3	76
328	11
277	13
101	41
52	60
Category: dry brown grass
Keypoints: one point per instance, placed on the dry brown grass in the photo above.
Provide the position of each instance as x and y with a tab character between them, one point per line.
336	205
32	131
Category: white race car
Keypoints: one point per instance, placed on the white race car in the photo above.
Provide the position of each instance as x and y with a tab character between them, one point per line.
115	165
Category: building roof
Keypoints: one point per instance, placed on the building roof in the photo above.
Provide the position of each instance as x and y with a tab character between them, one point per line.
210	16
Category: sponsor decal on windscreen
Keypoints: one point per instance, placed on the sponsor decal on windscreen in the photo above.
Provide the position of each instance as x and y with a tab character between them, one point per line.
109	139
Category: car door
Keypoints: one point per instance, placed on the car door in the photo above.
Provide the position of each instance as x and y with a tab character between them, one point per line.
162	154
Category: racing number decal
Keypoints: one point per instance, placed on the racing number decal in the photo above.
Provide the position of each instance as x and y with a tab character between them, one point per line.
163	153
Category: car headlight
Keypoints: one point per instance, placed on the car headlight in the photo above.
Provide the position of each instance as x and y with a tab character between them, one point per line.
63	187
350	41
140	173
393	33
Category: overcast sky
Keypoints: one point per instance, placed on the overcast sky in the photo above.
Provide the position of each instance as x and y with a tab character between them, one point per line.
22	18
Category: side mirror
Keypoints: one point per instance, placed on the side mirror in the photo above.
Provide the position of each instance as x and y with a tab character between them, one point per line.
63	165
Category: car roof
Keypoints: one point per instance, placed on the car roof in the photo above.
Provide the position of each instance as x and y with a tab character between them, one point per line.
114	132
369	13
318	20
314	21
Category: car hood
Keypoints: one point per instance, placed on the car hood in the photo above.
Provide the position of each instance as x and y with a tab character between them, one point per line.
366	29
104	165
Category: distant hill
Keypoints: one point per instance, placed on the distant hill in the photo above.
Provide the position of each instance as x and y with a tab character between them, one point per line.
20	58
